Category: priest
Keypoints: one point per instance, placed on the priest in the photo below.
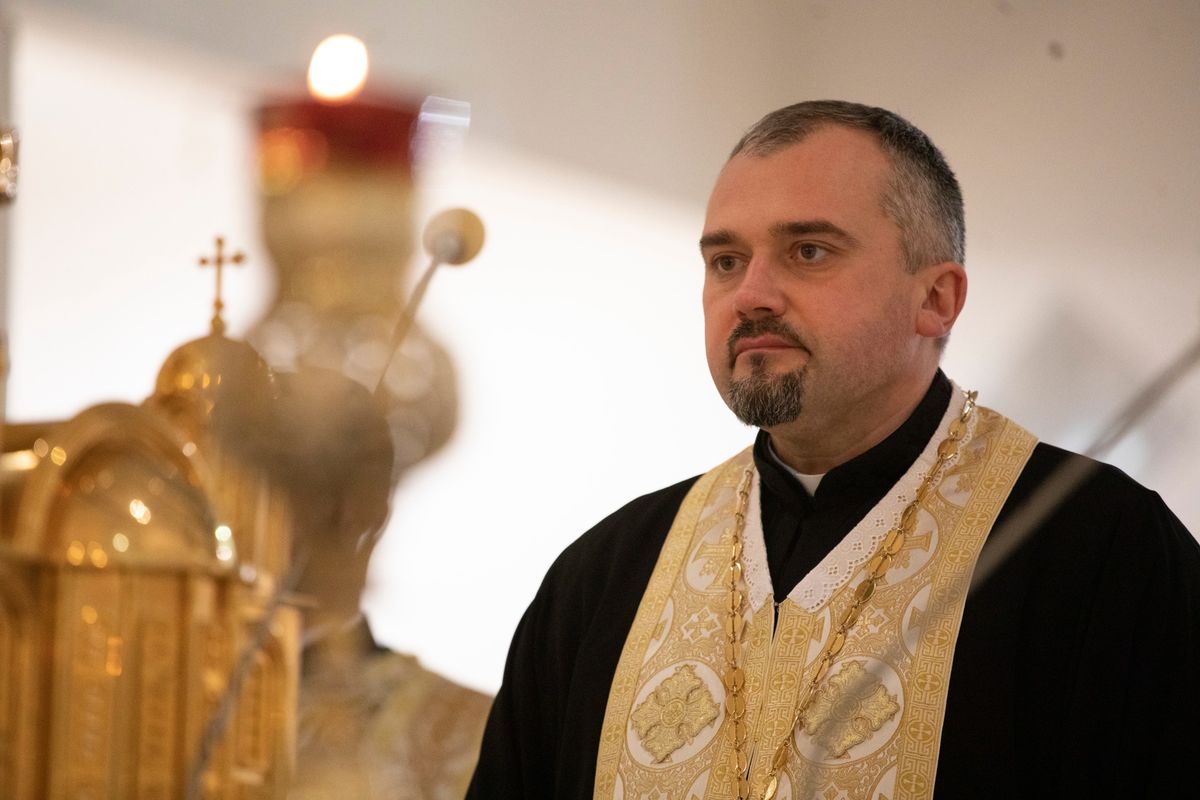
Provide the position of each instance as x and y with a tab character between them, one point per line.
807	618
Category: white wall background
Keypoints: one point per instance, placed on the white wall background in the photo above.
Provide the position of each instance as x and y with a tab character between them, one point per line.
596	131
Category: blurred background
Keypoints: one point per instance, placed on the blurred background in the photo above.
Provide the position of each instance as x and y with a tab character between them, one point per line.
587	136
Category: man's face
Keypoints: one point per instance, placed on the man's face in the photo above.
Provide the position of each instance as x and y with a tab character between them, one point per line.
809	312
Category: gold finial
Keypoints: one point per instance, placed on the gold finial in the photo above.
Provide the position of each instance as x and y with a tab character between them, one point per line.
219	261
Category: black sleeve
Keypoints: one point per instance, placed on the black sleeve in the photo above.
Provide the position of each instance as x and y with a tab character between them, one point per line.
1077	669
1133	704
519	736
543	732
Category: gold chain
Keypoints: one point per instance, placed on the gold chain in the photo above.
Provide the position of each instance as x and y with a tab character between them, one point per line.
877	567
735	677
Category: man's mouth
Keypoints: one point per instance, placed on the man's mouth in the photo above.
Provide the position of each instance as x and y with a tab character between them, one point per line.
767	343
762	336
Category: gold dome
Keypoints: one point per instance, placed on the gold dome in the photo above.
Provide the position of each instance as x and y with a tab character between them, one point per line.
117	486
126	505
213	367
205	374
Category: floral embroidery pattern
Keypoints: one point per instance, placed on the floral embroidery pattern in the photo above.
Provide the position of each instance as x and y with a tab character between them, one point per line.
851	706
674	713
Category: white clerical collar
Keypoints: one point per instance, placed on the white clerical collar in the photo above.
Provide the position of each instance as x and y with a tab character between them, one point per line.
809	482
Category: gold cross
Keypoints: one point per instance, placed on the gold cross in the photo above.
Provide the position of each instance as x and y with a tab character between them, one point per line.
914	543
219	261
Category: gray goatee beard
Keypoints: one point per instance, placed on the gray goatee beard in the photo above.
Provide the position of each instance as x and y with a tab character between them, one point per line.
765	400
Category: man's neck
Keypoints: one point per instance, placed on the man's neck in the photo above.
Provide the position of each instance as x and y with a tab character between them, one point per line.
814	448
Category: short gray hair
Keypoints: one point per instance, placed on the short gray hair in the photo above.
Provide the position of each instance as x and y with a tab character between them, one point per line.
922	197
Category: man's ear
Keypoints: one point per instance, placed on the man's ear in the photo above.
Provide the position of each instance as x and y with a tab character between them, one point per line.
944	288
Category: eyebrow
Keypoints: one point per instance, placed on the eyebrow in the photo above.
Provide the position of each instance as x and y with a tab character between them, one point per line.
724	236
716	239
803	227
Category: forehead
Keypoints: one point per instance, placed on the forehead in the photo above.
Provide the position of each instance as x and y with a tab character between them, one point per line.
834	173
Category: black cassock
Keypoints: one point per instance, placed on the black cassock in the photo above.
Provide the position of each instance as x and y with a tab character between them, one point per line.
1077	667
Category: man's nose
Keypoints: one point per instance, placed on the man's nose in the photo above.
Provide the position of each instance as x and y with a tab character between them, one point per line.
759	293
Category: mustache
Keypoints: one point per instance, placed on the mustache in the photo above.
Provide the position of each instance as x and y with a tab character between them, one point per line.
764	326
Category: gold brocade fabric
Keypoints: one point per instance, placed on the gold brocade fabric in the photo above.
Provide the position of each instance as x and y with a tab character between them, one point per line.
874	727
376	724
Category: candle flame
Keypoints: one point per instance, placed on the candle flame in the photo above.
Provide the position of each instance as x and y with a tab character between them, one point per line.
338	69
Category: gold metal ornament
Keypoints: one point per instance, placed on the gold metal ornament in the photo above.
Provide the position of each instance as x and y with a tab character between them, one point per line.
218	261
9	170
139	555
127	588
735	677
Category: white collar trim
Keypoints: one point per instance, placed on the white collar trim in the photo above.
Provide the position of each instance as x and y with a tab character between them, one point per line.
856	548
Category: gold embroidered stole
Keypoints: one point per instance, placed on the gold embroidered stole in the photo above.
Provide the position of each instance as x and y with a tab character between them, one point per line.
875	726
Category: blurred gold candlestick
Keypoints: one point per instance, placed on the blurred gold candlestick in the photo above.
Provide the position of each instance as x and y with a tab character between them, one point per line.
338	201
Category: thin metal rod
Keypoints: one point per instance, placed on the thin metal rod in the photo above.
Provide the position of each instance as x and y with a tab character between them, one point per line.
404	324
223	711
1145	400
1072	473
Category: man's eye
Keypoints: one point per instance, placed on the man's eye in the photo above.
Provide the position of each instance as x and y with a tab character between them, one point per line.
725	263
810	252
